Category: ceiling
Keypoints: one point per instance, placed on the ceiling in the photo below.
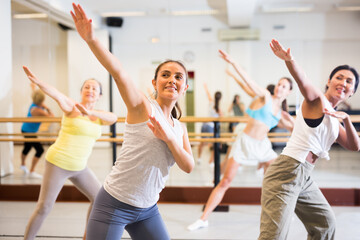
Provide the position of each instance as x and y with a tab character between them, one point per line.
160	5
233	12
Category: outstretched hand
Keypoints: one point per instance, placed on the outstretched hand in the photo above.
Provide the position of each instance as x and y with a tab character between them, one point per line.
158	130
280	51
82	109
226	56
337	114
30	75
82	22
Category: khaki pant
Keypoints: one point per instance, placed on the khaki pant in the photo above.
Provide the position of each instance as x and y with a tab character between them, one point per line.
288	187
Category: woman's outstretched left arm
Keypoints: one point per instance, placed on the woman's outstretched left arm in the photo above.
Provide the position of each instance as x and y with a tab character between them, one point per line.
287	121
348	137
107	118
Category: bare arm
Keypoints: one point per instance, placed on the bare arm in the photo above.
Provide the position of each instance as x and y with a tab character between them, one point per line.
253	86
230	109
348	137
35	111
248	90
287	121
182	155
135	101
208	94
65	103
107	118
307	89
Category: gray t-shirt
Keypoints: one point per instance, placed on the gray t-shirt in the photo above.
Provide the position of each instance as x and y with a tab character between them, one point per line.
142	168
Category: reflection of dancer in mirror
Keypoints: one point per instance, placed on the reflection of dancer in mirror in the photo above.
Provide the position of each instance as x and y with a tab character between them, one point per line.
36	109
252	146
288	185
237	109
287	121
154	140
67	157
208	127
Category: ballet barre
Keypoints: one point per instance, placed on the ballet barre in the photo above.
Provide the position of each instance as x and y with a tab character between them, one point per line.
216	138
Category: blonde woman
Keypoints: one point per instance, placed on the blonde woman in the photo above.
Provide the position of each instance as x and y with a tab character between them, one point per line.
67	157
36	109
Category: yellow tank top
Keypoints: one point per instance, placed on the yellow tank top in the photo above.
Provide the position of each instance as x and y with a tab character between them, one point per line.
74	144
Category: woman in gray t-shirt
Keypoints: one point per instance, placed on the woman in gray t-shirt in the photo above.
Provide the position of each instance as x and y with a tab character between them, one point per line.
154	140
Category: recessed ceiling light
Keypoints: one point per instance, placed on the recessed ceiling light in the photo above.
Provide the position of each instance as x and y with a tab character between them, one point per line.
30	15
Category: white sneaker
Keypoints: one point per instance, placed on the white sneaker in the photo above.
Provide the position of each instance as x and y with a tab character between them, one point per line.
24	169
198	224
34	175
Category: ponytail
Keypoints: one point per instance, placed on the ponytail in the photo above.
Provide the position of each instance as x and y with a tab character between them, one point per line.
175	111
284	106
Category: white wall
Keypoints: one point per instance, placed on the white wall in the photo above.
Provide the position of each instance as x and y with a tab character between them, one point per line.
6	148
318	41
83	65
40	45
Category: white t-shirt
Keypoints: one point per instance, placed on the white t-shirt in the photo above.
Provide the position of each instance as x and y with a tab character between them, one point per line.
318	140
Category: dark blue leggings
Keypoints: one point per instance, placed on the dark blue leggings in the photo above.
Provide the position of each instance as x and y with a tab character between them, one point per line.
109	217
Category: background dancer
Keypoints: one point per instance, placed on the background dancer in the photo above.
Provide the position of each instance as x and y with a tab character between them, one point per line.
265	113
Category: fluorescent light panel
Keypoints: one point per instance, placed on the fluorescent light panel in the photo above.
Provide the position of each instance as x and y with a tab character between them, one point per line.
30	15
124	14
195	13
174	13
347	7
288	8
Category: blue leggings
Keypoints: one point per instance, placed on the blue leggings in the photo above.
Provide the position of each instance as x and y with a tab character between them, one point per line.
109	217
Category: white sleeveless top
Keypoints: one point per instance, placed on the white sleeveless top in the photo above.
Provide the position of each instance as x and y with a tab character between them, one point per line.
142	168
318	140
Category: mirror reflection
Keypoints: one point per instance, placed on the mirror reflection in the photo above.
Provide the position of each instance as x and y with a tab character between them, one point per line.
44	39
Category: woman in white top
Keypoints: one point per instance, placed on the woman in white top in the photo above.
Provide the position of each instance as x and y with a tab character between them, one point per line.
288	185
252	146
153	141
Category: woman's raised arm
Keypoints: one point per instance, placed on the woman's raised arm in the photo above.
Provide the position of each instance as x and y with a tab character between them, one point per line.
248	90
307	89
253	86
132	97
65	103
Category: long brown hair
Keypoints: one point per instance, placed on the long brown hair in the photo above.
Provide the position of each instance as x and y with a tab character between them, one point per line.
284	104
176	111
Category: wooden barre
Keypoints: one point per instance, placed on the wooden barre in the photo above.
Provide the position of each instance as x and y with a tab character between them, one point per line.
122	119
119	140
47	134
190	134
188	119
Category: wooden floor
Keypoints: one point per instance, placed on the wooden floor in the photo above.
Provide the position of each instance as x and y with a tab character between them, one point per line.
67	221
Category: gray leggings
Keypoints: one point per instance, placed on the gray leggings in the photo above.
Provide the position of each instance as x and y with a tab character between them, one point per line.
109	217
54	179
